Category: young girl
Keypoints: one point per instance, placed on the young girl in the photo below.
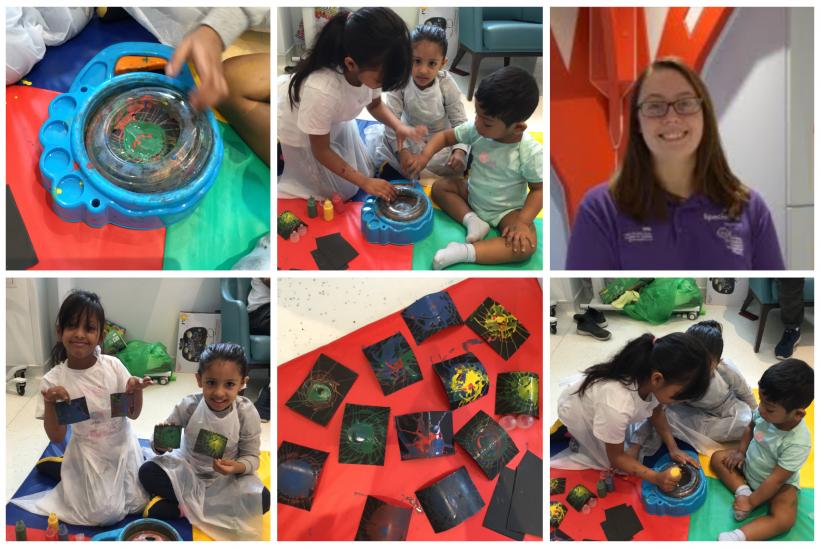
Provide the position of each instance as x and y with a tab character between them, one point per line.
725	410
223	497
355	56
612	397
431	99
98	472
675	203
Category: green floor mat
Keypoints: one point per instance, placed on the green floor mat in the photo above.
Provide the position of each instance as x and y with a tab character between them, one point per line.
446	230
230	219
715	516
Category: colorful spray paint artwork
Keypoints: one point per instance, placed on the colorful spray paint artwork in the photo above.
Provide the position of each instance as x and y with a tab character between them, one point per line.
394	363
464	378
323	390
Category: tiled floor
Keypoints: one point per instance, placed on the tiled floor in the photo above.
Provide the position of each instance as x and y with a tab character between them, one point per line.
570	353
26	438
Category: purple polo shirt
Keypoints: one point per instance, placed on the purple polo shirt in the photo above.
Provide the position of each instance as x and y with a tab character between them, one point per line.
697	235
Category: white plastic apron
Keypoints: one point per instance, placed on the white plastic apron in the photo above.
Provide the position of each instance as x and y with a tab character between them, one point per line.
225	507
99	473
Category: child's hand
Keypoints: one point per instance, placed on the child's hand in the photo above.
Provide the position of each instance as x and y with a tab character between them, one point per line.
457	160
380	188
55	394
407	161
743	503
203	47
136	383
665	480
418	163
416	134
734	460
683	457
517	235
226	466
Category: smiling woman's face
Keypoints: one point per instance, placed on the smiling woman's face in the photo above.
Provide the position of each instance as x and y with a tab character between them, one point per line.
672	136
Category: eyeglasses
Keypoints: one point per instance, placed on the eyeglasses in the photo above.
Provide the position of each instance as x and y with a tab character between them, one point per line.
658	109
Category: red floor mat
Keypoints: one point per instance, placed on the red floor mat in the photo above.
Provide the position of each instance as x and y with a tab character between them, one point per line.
297	256
61	245
580	526
341	493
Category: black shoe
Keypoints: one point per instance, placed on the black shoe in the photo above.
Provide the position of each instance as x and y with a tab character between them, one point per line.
588	327
788	342
596	316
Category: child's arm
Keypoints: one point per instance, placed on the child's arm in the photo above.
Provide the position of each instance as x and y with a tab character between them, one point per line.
456	116
770	486
516	233
737	383
320	147
619	459
54	430
384	115
134	386
735	458
438	141
658	420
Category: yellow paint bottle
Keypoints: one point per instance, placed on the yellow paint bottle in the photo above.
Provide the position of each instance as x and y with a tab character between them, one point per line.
328	209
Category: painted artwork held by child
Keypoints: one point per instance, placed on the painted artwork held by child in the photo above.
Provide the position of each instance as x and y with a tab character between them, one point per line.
167	436
487	442
383	521
394	363
425	435
323	390
450	500
500	328
210	443
364	434
121	404
516	393
464	379
298	471
430	314
72	411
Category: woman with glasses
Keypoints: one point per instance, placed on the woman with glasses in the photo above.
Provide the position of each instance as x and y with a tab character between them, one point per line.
674	203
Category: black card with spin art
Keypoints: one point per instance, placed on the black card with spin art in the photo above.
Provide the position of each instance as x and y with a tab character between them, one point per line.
394	363
383	521
578	496
72	411
298	470
487	442
496	325
464	379
323	390
450	500
425	435
121	404
516	393
286	223
364	434
210	443
430	314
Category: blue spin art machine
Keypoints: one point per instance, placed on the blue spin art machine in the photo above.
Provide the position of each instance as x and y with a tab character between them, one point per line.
685	498
405	220
128	149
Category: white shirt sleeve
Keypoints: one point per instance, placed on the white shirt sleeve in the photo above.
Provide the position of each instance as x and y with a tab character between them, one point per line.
316	110
737	382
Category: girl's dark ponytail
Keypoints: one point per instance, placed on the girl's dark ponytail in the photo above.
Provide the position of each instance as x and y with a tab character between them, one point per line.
327	51
679	357
375	38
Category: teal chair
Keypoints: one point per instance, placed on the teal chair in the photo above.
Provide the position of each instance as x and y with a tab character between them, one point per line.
498	32
766	292
235	328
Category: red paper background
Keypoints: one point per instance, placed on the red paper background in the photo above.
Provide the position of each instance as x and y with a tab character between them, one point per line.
342	489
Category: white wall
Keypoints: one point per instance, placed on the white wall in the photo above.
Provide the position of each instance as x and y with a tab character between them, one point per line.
147	307
28	339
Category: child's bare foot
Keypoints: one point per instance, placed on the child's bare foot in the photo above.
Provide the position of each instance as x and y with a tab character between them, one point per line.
454	253
477	227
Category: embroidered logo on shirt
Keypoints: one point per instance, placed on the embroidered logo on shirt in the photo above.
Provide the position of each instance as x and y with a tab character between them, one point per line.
637	236
733	243
716	217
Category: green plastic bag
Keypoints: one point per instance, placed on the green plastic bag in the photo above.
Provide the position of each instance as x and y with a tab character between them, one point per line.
142	358
662	297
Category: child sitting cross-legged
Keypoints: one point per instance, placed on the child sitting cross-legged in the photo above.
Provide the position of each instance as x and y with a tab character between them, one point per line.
506	161
765	467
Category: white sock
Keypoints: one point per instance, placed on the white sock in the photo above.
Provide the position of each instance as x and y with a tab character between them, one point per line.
737	535
744	491
454	253
477	228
